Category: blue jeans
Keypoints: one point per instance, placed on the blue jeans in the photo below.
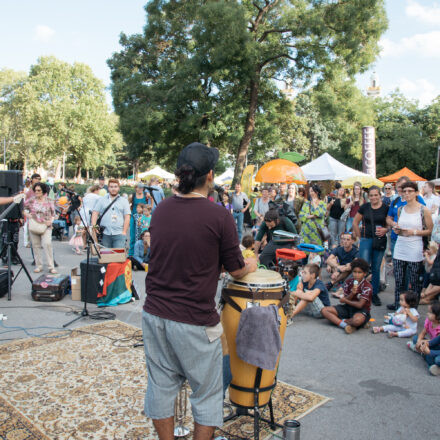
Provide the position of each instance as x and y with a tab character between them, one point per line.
238	217
114	241
336	228
374	258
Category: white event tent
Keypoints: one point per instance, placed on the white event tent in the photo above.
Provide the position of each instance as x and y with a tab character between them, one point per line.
157	171
224	177
326	167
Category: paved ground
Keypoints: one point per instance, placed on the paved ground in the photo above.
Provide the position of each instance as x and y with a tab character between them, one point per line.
379	389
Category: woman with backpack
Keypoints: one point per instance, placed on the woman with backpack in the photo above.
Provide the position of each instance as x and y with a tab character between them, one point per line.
414	221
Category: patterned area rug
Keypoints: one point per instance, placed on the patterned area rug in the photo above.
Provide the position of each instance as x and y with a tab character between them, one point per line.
86	386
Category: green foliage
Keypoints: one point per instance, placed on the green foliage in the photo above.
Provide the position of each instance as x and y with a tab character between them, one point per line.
206	71
60	108
405	136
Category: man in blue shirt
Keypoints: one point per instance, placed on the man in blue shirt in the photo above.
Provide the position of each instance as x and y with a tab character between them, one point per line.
116	219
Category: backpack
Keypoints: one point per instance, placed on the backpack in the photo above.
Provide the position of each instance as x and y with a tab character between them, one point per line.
422	213
284	210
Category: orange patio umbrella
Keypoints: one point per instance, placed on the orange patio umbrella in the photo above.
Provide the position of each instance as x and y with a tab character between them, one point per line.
280	171
403	172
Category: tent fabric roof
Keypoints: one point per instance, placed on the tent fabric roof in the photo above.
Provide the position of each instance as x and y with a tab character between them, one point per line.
326	167
157	171
403	172
224	177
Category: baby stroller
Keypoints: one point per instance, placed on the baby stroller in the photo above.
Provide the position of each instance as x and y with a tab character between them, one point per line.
57	231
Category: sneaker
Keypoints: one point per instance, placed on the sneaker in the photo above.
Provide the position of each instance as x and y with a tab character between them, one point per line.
289	322
349	329
391	307
376	300
434	370
411	345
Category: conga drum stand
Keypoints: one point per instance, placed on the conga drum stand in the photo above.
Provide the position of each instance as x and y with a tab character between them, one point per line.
256	414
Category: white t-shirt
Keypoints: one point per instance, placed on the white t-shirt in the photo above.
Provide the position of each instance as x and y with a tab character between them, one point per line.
88	203
411	325
431	201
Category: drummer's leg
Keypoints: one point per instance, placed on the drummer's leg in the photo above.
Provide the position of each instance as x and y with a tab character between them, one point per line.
267	256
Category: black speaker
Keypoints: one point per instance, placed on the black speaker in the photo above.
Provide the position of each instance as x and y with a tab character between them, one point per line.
11	182
95	280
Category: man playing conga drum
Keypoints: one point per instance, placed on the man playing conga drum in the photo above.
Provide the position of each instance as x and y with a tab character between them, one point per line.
191	239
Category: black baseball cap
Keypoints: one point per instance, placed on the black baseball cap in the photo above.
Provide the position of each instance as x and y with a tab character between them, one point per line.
198	156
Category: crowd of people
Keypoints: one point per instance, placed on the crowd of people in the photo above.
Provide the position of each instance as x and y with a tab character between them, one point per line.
185	241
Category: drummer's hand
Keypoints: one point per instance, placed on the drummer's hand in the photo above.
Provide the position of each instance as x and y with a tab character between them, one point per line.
251	264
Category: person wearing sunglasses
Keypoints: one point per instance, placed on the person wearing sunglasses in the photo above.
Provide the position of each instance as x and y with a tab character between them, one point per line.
389	196
414	222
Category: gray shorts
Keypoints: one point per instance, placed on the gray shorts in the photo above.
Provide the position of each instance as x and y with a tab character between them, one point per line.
314	308
174	352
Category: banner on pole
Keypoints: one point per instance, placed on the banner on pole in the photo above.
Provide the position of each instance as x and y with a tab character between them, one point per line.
369	151
247	178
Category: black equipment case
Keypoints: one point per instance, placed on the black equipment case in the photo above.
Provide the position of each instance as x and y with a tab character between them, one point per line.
50	287
4	281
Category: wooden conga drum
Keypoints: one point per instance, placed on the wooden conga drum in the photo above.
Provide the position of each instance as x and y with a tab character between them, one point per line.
261	288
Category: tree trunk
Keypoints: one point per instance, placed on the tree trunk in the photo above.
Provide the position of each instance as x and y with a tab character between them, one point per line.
58	169
249	128
88	175
78	174
135	170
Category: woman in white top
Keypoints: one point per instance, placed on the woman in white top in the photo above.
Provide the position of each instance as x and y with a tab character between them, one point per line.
414	222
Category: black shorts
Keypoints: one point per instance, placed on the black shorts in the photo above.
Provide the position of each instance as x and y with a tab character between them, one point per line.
346	312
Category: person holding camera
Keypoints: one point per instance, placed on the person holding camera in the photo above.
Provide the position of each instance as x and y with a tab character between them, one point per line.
114	214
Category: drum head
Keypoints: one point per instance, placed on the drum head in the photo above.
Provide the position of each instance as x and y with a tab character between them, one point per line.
261	278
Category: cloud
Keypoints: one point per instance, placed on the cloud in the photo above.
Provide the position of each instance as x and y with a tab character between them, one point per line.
43	33
425	14
420	89
426	45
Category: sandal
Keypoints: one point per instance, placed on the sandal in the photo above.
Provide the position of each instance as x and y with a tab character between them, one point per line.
38	270
53	271
376	330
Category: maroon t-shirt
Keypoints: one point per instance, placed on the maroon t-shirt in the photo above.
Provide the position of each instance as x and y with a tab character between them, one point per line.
191	238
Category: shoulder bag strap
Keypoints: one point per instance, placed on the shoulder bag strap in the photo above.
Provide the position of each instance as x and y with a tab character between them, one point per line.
98	222
373	228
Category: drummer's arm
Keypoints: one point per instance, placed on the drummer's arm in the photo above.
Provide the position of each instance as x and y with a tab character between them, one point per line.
261	231
249	266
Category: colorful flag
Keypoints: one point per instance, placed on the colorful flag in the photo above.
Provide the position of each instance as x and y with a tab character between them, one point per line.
117	285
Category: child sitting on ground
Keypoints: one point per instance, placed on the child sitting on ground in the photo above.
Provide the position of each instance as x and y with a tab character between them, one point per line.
428	260
430	349
248	245
431	328
355	300
311	293
408	301
294	280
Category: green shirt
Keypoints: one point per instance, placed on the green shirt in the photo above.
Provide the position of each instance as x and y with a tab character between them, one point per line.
285	224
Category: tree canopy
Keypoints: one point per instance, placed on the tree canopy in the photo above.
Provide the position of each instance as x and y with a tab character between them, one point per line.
58	109
210	70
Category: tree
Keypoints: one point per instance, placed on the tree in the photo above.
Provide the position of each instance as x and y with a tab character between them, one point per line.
60	108
207	69
401	138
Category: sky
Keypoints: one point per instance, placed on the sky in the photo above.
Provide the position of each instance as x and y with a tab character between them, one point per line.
88	31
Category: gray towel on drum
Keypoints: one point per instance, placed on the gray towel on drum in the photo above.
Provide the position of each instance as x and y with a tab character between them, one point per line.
258	338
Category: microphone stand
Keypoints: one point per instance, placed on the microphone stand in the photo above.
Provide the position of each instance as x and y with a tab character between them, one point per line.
90	242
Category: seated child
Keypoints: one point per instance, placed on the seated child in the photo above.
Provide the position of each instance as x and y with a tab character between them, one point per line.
431	353
355	300
311	293
314	258
248	245
428	260
294	280
408	301
146	217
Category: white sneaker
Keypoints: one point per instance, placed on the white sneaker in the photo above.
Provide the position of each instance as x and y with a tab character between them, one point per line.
434	370
411	345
